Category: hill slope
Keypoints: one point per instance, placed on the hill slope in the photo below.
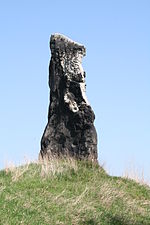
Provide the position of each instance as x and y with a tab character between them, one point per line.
70	192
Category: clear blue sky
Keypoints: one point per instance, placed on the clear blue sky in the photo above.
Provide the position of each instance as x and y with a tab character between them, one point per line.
117	37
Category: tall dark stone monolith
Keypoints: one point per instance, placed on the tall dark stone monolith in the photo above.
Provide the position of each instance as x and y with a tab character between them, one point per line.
70	128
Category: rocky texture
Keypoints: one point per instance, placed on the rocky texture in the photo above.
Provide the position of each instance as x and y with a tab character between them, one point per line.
70	127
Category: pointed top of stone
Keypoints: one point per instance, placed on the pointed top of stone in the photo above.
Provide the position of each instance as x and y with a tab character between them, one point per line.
63	43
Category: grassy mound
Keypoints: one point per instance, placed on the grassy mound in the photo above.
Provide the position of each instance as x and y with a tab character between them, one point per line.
66	191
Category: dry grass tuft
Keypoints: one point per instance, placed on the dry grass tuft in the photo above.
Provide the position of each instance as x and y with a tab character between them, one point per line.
57	165
17	172
136	174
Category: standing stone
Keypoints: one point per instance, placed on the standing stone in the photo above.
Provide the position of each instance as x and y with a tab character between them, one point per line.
70	129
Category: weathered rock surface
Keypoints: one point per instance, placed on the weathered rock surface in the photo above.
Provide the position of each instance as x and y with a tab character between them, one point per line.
70	127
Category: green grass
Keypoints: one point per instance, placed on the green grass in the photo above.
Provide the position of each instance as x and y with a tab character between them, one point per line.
66	191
